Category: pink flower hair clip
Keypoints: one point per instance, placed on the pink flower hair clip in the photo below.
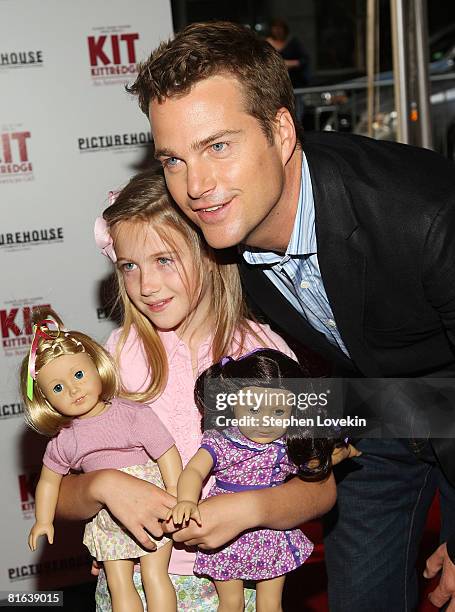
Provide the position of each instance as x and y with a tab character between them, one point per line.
104	240
103	237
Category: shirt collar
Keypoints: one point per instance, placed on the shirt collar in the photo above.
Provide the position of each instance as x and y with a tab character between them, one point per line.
234	434
303	237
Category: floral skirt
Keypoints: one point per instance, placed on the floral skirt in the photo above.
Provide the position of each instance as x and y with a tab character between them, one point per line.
108	540
193	594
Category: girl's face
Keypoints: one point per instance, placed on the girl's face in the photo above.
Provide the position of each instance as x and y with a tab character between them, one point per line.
161	281
264	413
72	385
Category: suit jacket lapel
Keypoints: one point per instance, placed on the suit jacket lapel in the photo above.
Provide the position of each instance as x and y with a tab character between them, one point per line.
276	307
341	255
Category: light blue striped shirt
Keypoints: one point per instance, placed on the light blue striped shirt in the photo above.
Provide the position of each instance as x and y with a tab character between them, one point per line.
296	273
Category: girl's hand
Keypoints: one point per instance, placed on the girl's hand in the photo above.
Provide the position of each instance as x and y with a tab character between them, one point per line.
38	530
340	453
139	505
183	512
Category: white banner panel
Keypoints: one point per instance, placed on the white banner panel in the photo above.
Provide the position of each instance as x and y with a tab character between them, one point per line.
68	134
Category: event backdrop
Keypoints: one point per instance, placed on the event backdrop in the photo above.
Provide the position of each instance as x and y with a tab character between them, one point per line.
69	133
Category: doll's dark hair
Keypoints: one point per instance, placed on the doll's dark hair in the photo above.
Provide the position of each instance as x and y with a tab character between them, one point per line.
266	368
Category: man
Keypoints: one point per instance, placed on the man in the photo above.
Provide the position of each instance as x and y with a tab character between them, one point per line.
348	247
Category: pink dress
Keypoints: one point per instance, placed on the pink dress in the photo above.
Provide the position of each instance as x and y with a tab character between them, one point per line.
176	407
239	464
127	436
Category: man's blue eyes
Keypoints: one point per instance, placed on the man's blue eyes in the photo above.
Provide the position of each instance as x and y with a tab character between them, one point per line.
58	388
218	147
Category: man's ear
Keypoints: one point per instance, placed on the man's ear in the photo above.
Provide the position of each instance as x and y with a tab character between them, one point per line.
285	134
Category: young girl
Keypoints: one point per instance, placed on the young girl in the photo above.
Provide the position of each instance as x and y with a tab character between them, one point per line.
69	384
183	310
254	452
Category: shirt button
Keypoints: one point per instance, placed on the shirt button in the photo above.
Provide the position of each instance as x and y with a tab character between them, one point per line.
304	284
277	469
331	323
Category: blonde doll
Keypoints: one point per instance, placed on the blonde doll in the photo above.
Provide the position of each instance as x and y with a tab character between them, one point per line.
69	384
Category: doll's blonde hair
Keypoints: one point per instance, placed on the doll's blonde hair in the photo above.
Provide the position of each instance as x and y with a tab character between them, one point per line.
145	199
39	414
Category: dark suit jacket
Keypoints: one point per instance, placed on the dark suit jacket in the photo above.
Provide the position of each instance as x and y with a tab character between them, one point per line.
385	227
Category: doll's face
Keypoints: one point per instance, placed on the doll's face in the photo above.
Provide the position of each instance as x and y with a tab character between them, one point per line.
266	411
72	385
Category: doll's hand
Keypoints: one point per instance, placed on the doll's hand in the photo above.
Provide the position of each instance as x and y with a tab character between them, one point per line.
38	530
340	453
222	518
183	512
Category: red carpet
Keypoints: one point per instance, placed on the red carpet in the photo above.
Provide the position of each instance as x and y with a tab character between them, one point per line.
305	589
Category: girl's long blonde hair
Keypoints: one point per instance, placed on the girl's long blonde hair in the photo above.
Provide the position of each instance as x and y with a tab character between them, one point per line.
145	199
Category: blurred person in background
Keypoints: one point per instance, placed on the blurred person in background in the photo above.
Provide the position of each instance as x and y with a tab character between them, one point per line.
292	51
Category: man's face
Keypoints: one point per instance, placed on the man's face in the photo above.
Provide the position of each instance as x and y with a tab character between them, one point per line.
219	166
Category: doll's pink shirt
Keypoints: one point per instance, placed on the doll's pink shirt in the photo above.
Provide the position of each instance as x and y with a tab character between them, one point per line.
125	434
176	407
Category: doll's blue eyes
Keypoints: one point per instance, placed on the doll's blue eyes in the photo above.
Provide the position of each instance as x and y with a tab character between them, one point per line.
59	387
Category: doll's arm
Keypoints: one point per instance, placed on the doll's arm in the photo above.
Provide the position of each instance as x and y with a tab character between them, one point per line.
170	464
45	503
189	488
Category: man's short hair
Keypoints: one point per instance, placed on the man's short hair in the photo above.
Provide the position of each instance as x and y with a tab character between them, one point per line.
202	50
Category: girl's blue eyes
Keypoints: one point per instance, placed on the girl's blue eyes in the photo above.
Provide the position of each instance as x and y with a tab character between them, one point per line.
129	266
58	388
79	374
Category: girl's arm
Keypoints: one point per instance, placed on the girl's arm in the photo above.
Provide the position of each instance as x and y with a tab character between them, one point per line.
46	496
137	504
170	464
189	488
224	517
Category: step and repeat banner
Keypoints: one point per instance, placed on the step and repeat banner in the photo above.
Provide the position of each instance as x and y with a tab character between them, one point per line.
69	133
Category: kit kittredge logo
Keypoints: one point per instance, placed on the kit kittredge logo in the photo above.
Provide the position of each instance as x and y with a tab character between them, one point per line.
14	155
27	485
112	54
16	326
21	59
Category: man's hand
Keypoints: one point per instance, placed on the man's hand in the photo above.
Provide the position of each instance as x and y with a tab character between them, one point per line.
137	504
223	517
445	591
340	453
